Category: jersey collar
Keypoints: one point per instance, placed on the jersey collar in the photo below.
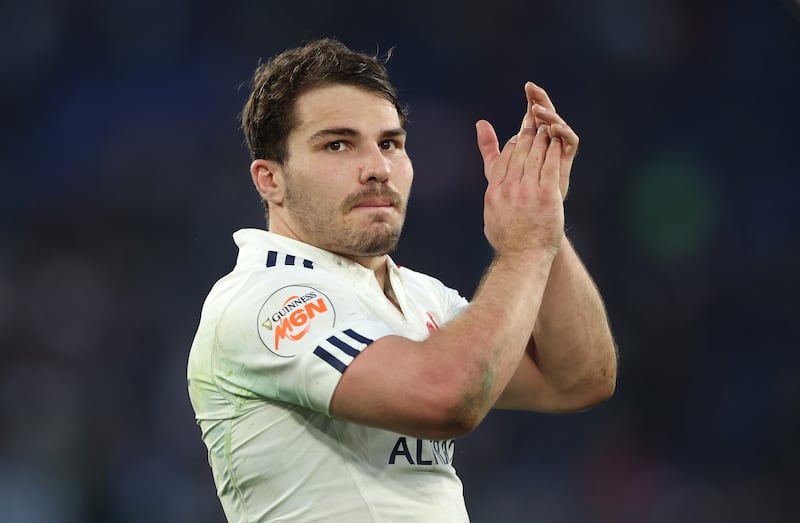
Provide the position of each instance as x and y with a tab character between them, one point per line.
253	242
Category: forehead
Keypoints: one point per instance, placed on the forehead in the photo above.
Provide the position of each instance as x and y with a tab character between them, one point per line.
344	106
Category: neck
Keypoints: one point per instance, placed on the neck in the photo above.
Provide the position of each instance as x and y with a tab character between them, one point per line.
381	270
378	266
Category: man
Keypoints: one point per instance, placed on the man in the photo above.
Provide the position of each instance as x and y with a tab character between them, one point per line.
328	382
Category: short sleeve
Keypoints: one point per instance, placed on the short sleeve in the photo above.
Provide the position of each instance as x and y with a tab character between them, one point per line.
290	337
448	302
455	304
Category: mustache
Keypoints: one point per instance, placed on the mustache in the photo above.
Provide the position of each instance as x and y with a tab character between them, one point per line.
378	191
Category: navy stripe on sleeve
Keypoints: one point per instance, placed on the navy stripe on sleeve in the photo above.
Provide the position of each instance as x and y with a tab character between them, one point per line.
308	264
347	349
289	259
272	258
358	337
330	359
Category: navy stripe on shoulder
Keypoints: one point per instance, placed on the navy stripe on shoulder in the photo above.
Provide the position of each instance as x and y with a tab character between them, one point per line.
347	349
330	359
358	337
338	349
276	259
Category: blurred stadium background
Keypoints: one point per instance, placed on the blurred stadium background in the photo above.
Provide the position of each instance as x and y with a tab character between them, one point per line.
124	174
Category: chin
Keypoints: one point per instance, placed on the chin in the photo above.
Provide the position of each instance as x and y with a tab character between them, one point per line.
378	247
376	244
376	238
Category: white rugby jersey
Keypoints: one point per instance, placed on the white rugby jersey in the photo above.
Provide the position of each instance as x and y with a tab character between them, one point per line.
275	337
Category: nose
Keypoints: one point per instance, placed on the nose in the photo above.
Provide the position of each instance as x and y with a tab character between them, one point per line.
376	166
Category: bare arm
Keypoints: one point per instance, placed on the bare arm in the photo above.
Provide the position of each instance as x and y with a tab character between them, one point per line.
444	386
571	359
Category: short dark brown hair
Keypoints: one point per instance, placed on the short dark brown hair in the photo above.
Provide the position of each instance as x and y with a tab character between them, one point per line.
268	116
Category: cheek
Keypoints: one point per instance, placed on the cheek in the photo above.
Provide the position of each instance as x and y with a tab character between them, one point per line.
322	196
406	176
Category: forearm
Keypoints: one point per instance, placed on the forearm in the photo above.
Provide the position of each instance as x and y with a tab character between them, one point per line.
489	338
572	342
449	381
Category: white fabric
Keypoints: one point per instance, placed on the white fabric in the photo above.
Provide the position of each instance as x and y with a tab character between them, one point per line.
274	338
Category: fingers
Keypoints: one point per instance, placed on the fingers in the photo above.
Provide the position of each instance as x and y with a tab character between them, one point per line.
522	150
495	162
551	168
569	148
536	155
538	96
568	137
538	100
528	153
545	116
501	165
545	113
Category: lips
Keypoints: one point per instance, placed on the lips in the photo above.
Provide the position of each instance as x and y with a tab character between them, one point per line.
375	202
374	199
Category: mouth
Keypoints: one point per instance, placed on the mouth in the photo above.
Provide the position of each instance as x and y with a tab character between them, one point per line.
372	203
374	200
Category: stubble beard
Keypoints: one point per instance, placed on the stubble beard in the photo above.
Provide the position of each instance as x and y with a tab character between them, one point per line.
376	239
370	242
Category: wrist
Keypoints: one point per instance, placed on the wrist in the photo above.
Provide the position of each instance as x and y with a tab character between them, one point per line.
527	257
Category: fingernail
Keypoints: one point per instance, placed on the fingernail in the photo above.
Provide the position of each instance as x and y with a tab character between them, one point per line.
513	139
541	109
541	129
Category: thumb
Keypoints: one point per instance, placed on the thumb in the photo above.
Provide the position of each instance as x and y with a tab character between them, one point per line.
487	145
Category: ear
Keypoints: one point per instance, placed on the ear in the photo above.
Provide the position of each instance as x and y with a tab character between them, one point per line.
268	179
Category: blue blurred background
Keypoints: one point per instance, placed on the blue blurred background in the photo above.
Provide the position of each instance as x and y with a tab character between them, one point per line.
124	174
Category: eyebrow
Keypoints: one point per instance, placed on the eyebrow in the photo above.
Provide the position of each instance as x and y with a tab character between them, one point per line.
349	131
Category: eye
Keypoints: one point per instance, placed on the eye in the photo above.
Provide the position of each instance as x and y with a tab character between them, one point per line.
336	146
389	145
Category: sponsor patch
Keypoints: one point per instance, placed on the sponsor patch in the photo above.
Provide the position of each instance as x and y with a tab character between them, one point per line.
292	313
